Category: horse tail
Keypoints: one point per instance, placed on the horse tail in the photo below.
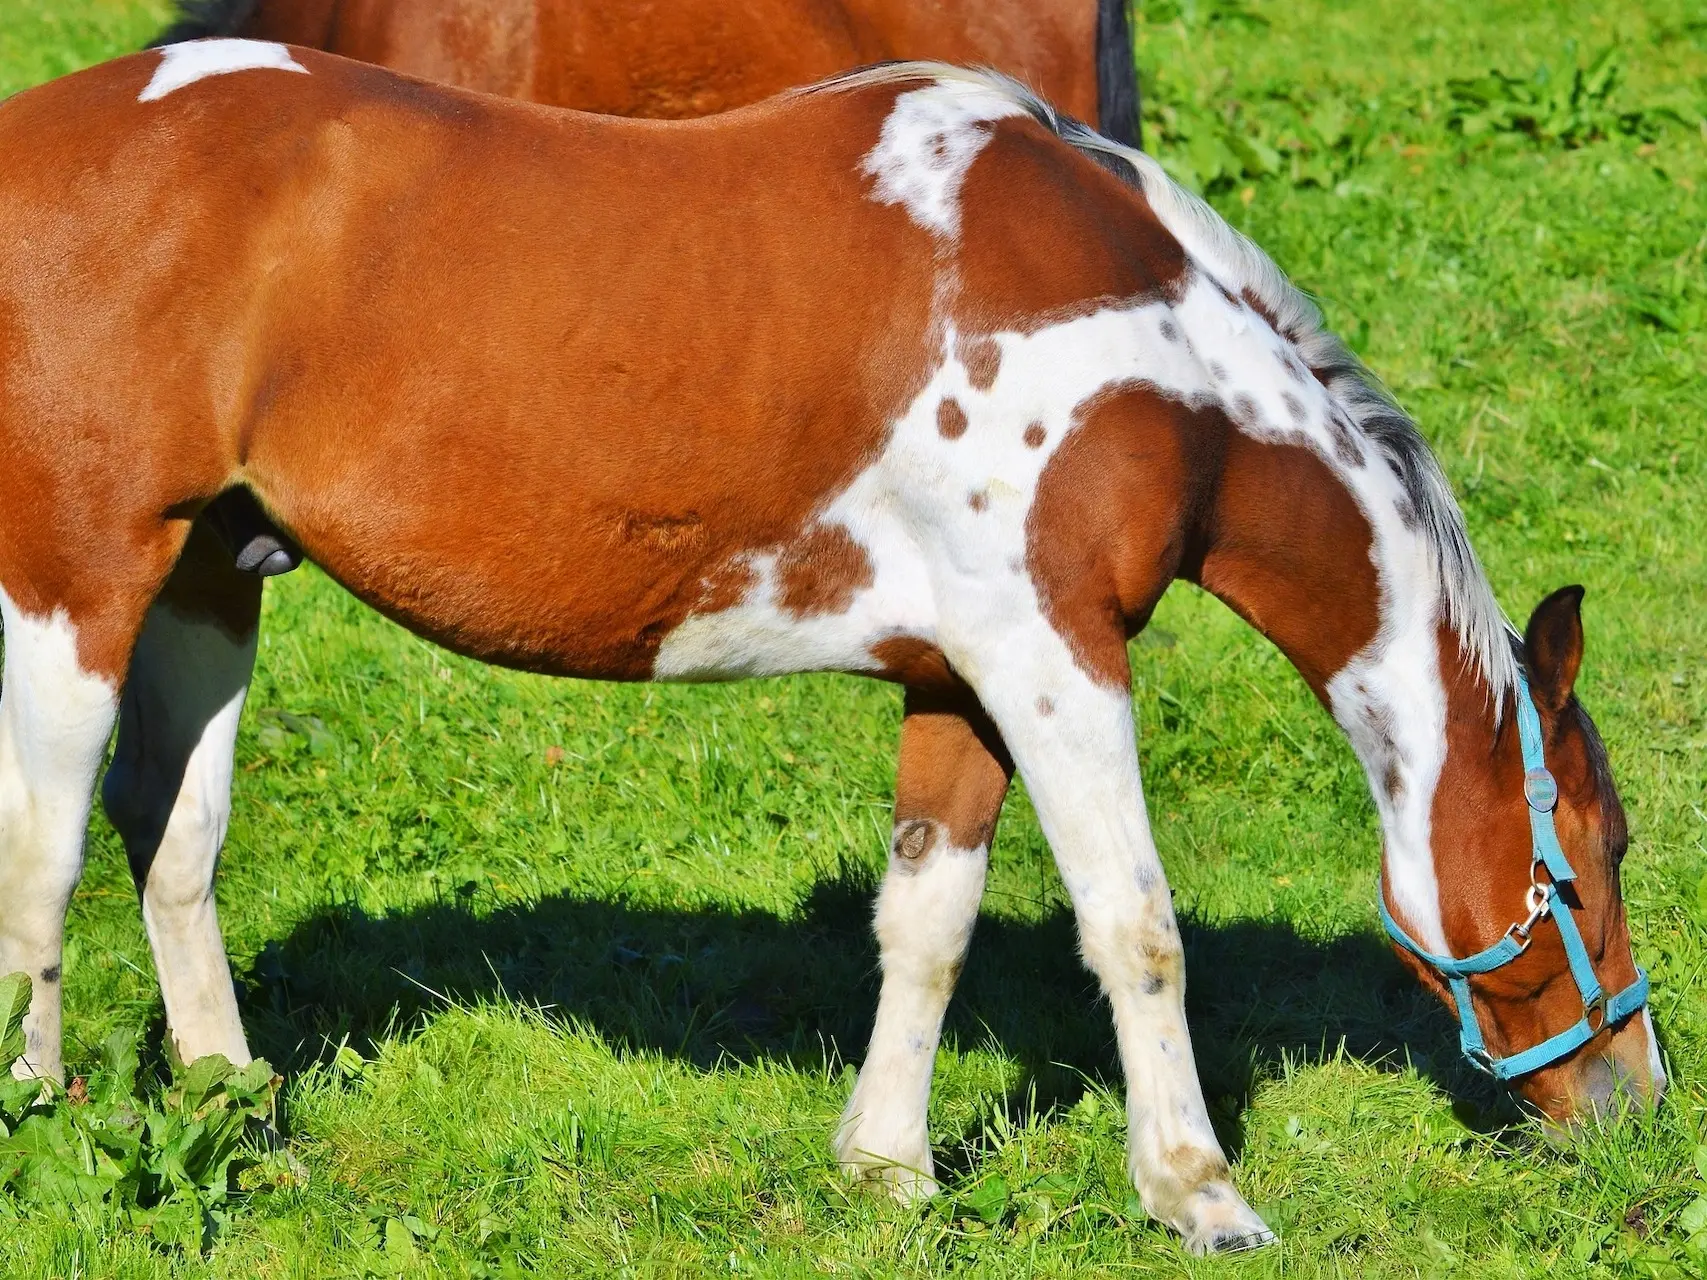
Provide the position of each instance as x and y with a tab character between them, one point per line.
1118	102
197	19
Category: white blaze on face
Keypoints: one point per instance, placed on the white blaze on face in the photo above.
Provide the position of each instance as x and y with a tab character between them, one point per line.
929	141
184	64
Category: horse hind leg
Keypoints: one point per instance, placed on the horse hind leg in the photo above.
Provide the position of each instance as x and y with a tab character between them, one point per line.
58	701
168	791
952	777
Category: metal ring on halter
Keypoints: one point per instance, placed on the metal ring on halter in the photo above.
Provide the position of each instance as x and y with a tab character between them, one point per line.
1593	1007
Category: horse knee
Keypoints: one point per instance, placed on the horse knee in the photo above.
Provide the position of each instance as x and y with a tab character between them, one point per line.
1134	950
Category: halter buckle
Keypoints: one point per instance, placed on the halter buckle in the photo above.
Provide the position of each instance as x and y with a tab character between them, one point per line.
1541	789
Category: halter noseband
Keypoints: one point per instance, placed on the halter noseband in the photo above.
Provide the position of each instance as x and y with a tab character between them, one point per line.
1599	1010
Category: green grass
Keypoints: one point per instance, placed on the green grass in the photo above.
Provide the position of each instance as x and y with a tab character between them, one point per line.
597	1013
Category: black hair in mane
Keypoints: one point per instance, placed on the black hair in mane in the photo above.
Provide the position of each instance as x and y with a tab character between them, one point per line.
197	19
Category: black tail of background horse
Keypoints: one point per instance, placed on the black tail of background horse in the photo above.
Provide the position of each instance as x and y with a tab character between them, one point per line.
197	19
1118	104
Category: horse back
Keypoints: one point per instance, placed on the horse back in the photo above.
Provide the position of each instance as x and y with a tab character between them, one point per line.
540	385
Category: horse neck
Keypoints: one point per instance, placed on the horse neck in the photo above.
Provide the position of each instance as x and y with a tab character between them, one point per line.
1331	562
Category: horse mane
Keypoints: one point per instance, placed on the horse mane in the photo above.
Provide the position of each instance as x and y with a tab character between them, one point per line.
198	19
1237	263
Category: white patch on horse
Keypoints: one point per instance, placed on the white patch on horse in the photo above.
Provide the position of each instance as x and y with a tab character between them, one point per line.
54	721
929	140
193	60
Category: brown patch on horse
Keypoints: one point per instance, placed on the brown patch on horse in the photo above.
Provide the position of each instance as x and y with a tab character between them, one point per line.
1193	1167
822	572
916	663
1035	435
950	419
1047	233
978	501
607	497
1112	518
1283	526
982	357
953	771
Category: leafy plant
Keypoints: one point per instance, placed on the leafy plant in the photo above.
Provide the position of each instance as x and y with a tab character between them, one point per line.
1567	110
1303	138
164	1161
1204	13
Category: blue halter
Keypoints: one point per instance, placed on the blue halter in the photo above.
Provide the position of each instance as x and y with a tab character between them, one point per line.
1599	1009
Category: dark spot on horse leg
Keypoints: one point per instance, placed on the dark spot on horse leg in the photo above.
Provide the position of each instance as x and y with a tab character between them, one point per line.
50	974
1393	781
1153	982
915	839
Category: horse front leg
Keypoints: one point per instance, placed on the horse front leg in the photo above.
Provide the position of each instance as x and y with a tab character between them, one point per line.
1073	740
950	782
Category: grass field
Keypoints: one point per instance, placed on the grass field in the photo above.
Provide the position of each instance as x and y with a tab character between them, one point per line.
566	979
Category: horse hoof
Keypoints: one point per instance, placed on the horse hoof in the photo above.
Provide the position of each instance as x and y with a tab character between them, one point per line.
1240	1241
1216	1219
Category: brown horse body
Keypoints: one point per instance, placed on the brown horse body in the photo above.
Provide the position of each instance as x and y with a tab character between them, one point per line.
890	377
675	59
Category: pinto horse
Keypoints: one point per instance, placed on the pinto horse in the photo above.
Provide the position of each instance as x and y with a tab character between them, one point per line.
674	59
903	375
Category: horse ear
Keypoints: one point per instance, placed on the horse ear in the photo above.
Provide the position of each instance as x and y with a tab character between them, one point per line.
1553	647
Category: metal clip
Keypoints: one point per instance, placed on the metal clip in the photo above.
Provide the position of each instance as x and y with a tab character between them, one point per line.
1539	900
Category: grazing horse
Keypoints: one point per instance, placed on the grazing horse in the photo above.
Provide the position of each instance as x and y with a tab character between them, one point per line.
904	375
673	59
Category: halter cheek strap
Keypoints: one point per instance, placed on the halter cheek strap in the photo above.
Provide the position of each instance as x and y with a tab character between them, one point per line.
1541	793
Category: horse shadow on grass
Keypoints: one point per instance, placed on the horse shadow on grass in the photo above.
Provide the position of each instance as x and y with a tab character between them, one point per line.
711	985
